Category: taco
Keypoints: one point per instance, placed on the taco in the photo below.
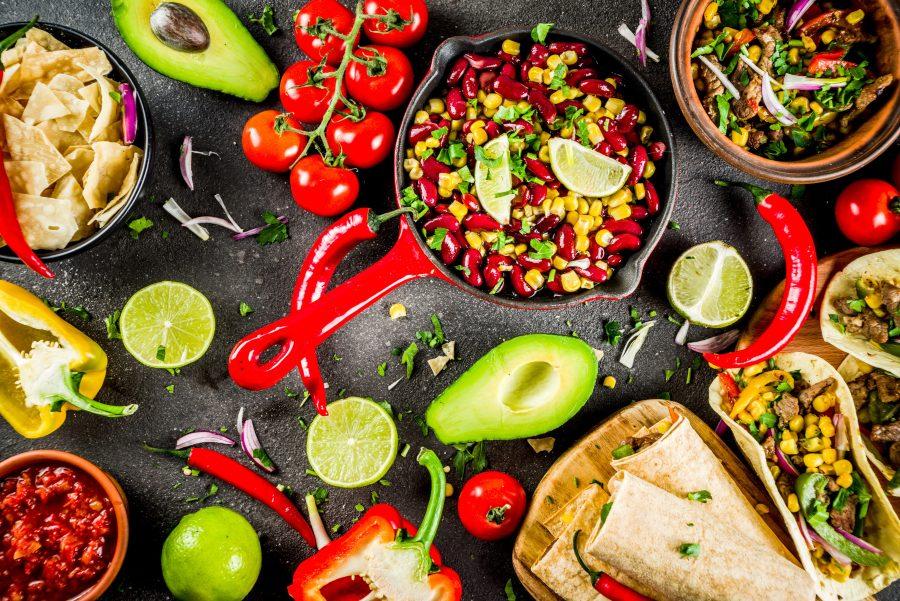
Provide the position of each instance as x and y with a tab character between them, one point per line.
876	396
794	419
861	310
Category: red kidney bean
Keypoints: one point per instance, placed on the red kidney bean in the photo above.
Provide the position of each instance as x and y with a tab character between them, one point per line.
509	70
656	150
623	242
577	75
492	129
627	118
555	285
562	106
534	85
471	202
623	226
524	66
603	147
450	248
555	185
539	169
486	80
546	108
509	88
445	124
595	251
525	238
483	63
616	78
498	261
615	139
621	159
456	71
614	260
432	168
639	212
593	273
456	104
559	47
427	191
470	83
542	265
441	207
597	87
547	223
520	126
651	198
480	221
631	136
538	55
421	131
496	265
517	277
522	194
446	221
585	62
509	58
565	241
605	123
471	267
638	161
538	194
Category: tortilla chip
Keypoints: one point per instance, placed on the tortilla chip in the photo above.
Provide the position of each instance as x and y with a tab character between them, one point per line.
44	39
107	173
91	93
65	83
28	143
80	158
61	140
77	108
69	189
43	105
118	201
48	223
12	79
12	56
40	66
109	108
8	106
27	177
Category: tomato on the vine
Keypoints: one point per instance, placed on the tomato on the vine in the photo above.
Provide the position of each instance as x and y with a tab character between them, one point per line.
491	505
323	189
270	142
868	212
311	29
385	83
364	143
401	23
305	91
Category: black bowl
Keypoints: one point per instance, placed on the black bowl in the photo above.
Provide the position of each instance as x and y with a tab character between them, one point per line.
627	277
143	140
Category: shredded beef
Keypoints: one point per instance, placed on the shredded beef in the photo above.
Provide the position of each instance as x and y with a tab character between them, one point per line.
813	390
845	518
888	387
890	295
768	446
787	408
886	432
866	97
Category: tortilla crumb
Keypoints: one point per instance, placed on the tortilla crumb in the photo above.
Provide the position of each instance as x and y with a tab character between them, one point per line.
542	444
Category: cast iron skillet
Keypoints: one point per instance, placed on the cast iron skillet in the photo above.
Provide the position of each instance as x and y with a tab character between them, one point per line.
143	140
261	359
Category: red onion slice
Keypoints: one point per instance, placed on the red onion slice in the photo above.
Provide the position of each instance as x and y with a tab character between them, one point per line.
129	113
681	336
211	221
835	554
626	33
811	84
721	428
202	437
804	531
783	462
720	76
717	343
185	161
858	541
840	433
256	230
640	34
796	12
251	446
775	107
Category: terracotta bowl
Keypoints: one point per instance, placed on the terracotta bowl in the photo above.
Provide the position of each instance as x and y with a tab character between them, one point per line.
109	486
856	150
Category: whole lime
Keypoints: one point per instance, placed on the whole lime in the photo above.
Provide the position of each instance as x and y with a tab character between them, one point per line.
211	555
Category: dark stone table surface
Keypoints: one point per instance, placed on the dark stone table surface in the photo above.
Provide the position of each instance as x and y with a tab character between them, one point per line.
229	272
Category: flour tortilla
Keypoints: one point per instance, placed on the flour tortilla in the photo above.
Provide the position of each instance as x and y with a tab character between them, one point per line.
884	265
883	527
641	538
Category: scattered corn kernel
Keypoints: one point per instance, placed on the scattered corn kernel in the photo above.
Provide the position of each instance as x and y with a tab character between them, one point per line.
615	105
458	210
609	381
620	212
855	17
591	103
812	460
823	402
793	503
421	116
829	456
808	43
649	170
842	466
844	480
788	447
740	135
828	35
435	105
582	243
603	237
570	282
474	240
796	423
478	136
712	9
754	52
569	57
559	263
397	310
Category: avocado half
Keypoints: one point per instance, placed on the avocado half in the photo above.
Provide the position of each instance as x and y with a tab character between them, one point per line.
523	387
205	45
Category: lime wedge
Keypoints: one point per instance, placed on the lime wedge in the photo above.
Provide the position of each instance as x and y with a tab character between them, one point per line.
167	324
493	180
354	445
711	285
584	170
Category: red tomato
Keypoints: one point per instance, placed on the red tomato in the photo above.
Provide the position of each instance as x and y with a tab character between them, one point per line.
386	83
364	143
403	22
266	147
868	212
491	505
322	189
305	93
310	30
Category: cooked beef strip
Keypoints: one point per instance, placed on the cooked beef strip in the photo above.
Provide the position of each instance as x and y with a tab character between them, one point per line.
866	97
868	325
832	486
886	432
894	454
746	107
843	305
813	390
768	446
845	518
888	386
640	441
714	87
890	295
787	408
859	388
755	138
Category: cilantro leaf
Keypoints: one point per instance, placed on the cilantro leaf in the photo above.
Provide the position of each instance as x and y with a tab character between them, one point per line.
540	31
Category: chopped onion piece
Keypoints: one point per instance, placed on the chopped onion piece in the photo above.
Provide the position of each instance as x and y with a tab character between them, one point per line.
393	384
835	554
202	437
626	33
256	230
178	213
811	84
640	34
221	202
721	77
783	462
796	12
240	420
681	336
582	263
315	520
129	113
211	221
253	449
775	107
858	541
721	428
753	66
634	343
804	531
716	344
840	434
185	162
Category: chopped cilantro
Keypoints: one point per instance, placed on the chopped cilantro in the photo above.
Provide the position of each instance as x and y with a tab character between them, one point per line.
689	549
266	20
245	309
274	232
540	31
138	225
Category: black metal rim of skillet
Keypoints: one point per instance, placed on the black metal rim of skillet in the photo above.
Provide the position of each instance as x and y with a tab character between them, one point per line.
626	279
120	72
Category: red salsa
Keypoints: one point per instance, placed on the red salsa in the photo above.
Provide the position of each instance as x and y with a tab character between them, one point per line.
57	533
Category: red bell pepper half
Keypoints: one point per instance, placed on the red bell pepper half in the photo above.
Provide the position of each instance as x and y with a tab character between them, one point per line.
823	62
378	551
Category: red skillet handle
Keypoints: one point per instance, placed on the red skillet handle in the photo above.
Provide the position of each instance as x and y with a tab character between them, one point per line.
300	332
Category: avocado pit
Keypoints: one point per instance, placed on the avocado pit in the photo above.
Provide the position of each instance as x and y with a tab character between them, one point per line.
179	27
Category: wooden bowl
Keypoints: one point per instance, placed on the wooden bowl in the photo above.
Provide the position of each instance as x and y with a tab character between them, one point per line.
856	150
110	488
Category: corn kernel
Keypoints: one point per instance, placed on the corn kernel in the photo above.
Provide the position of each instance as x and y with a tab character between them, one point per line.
615	105
432	142
756	408
712	23
594	134
609	382
828	35
458	210
763	428
480	95
801	103
775	471
473	239
810	419
573	93
582	243
559	263
435	105
712	9
793	503
557	97
420	148
842	466
620	212
508	250
754	370
811	430
595	209
649	170
794	56
754	52
788	435
572	217
558	207
826	426
619	197
603	237
826	442
812	460
591	103
583	225
745	418
822	403
855	17
825	468
808	43
740	135
471	112
510	47
421	116
397	310
566	132
788	447
583	206
518	213
796	423
569	57
844	480
570	282
416	173
813	444
553	61
570	202
521	248
445	192
829	456
478	136
534	278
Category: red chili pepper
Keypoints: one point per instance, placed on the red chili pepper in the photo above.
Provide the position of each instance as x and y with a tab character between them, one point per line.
730	386
800	280
826	19
11	231
605	584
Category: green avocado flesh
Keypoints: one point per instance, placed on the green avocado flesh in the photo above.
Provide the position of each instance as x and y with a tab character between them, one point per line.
230	61
524	387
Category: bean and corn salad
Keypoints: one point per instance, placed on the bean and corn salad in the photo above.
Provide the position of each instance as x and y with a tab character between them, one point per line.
820	63
554	241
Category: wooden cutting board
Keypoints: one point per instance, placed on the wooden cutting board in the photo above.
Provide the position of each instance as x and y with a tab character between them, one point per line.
589	460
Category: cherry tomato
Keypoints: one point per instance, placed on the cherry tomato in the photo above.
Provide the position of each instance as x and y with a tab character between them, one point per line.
868	212
323	189
310	30
364	143
383	85
305	92
266	147
491	505
403	22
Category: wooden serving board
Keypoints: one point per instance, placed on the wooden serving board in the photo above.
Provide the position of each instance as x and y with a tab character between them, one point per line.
589	459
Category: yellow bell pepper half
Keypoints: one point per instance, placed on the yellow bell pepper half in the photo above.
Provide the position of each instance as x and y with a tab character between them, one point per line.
26	322
764	382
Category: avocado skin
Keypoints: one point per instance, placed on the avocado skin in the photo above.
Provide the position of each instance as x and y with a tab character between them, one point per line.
472	409
234	63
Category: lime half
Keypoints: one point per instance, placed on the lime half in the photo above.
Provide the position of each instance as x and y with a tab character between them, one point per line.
167	324
584	170
354	445
493	179
711	285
